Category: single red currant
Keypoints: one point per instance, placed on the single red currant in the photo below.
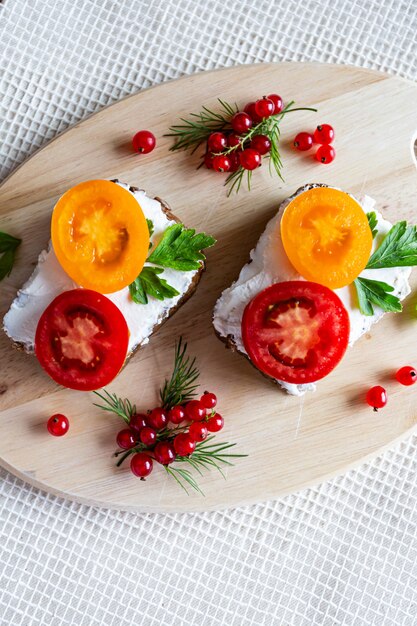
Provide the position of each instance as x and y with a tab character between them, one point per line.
184	444
324	134
376	397
250	159
144	141
195	411
217	142
277	100
148	436
406	375
233	140
141	465
164	453
261	143
303	141
137	422
250	110
208	400
325	154
157	418
176	415
126	439
208	160
241	122
198	431
264	107
221	163
215	423
58	425
234	161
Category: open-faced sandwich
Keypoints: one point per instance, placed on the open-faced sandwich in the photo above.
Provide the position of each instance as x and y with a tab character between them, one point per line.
326	268
119	264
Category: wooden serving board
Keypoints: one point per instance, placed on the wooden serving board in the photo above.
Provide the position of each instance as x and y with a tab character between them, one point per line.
291	442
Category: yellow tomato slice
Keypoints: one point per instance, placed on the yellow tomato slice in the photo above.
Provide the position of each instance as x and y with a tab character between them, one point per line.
326	236
100	235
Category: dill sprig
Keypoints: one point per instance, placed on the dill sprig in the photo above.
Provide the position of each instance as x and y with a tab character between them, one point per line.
181	387
112	403
195	131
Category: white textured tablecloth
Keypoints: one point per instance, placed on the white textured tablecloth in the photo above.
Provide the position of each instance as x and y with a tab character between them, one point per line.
342	553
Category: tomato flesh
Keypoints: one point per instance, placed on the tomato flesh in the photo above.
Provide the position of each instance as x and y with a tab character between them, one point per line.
82	340
296	331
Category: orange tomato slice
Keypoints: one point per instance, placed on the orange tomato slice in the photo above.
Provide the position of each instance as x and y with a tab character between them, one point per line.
100	235
326	236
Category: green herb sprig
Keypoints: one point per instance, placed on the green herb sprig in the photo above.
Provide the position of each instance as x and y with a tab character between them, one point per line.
180	249
397	249
179	388
195	131
8	247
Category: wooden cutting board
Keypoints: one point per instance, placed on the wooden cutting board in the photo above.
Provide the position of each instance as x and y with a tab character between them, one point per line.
291	442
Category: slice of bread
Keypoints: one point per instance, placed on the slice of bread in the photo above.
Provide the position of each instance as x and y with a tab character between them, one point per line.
49	280
268	264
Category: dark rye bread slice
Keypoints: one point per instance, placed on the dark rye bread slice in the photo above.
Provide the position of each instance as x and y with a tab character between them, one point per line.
186	295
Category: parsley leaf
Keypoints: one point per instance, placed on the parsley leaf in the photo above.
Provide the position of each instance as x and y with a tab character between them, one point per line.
373	221
398	249
376	292
180	248
151	229
149	283
8	247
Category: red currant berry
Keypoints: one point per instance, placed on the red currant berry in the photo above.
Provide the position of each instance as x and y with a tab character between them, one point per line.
137	422
277	100
208	400
303	141
184	445
125	439
324	134
261	143
376	397
241	122
234	161
250	159
148	436
141	465
250	110
208	160
164	453
217	142
198	431
233	140
406	375
195	411
144	141
157	418
325	154
221	163
176	415
58	425
264	107
215	423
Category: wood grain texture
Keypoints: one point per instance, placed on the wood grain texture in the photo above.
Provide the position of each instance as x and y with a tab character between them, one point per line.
291	442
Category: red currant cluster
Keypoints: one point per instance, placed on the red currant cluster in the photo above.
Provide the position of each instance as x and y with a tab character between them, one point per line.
377	396
152	434
323	135
242	146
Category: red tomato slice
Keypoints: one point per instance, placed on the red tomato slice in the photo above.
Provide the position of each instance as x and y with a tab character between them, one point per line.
296	331
81	340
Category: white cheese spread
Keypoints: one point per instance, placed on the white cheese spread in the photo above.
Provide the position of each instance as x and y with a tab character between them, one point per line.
269	264
49	280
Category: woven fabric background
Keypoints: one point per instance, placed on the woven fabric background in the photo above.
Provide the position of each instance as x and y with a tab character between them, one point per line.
344	553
